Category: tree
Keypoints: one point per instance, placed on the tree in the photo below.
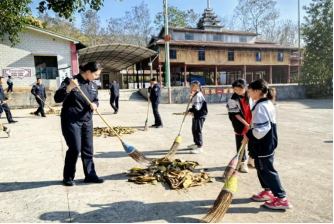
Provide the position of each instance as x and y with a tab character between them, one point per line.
177	18
318	34
90	26
15	13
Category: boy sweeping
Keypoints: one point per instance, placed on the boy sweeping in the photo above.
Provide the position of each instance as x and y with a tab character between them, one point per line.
200	110
263	137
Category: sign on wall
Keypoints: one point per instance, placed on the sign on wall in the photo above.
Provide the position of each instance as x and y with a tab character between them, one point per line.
16	72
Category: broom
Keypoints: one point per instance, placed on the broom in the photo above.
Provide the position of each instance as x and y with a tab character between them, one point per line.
129	149
171	153
6	101
51	109
148	108
224	199
233	164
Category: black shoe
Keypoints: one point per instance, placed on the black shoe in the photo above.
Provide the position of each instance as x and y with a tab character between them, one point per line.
116	112
154	125
159	126
69	182
37	114
11	122
94	180
43	115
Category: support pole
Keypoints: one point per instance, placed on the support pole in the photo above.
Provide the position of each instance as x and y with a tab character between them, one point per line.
270	74
216	75
244	75
167	65
185	75
160	75
288	81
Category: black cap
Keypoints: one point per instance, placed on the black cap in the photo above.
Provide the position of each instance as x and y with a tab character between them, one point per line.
153	79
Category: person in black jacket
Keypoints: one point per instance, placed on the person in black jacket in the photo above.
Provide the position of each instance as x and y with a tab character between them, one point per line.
4	128
155	94
5	105
114	96
77	122
199	110
39	90
10	84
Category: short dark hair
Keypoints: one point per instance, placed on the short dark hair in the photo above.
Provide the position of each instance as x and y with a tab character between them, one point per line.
91	66
259	84
153	80
38	79
9	76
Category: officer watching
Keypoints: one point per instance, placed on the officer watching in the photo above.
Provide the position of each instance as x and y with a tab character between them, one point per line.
77	122
114	96
155	95
5	106
38	90
10	84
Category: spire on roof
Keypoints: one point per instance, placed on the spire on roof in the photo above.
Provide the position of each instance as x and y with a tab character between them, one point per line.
209	20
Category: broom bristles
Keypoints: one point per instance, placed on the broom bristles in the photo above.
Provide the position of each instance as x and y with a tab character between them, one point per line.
139	157
171	153
227	173
146	126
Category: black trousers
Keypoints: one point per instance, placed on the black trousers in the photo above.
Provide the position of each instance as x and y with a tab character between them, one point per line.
41	107
114	100
79	138
10	88
197	127
238	141
6	108
268	176
155	109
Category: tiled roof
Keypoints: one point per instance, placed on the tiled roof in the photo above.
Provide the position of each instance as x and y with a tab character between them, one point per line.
211	31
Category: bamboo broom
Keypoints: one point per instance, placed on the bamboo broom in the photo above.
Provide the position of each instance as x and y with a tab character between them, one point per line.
233	163
224	199
148	108
171	153
129	149
51	109
6	101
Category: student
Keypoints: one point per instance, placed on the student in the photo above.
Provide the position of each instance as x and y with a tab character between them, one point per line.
5	105
10	84
39	90
2	127
114	96
263	138
200	110
155	94
239	111
77	121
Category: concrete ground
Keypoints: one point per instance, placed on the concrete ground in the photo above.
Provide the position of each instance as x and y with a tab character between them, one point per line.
32	161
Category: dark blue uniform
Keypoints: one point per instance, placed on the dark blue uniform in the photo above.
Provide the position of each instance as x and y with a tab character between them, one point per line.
155	95
114	96
39	90
5	106
77	125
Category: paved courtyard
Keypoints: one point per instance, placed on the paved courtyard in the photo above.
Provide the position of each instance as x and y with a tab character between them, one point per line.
32	161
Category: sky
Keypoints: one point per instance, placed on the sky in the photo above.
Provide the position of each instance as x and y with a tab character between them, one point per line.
114	8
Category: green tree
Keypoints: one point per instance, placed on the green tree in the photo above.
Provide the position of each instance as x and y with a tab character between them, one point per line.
177	18
317	69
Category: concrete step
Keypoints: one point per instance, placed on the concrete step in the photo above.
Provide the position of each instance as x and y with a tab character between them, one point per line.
124	95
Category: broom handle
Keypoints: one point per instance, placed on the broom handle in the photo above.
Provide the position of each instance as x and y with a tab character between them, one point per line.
4	102
84	95
44	102
241	153
185	115
148	99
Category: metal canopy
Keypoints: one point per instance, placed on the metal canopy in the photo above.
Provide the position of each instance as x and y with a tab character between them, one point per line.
115	57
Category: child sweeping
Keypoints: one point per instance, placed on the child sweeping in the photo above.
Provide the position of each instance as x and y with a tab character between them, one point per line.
263	138
199	110
239	111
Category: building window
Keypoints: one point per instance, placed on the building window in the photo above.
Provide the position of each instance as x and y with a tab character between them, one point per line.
46	67
280	56
172	54
230	54
258	55
189	36
217	37
242	39
201	54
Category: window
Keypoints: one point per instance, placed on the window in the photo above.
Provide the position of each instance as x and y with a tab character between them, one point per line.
201	54
280	56
46	67
217	37
242	39
189	36
172	54
258	55
230	54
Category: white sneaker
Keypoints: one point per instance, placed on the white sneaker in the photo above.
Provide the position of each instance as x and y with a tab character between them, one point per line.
251	162
9	132
243	167
193	146
197	150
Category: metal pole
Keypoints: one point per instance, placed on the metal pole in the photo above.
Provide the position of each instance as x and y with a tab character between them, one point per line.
299	53
167	65
151	67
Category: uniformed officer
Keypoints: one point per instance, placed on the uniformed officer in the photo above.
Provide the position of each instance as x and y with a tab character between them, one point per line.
77	122
10	84
155	95
114	96
5	106
39	90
